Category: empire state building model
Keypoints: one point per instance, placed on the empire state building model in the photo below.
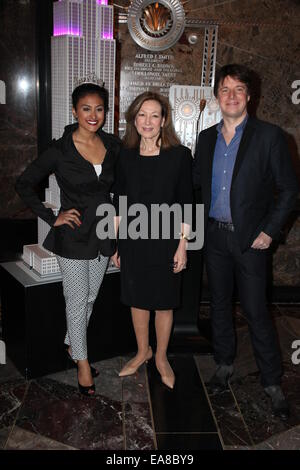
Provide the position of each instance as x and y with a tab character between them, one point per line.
82	45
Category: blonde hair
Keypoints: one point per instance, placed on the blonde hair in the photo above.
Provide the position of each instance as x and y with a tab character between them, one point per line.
167	134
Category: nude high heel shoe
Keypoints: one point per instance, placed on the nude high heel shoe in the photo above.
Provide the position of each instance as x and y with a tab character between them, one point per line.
129	369
167	379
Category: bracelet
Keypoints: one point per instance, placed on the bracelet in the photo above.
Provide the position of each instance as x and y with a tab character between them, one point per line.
183	236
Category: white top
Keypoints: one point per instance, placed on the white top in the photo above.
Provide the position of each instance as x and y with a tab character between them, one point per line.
98	169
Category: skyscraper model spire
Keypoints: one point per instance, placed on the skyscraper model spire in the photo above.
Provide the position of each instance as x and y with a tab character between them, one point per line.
82	49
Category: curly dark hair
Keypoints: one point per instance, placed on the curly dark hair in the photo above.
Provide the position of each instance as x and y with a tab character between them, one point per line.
237	71
90	89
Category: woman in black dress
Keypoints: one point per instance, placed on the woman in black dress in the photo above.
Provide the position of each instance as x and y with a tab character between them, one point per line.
153	169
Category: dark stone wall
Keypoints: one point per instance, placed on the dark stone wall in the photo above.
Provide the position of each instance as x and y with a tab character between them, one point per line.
286	259
265	36
18	124
261	34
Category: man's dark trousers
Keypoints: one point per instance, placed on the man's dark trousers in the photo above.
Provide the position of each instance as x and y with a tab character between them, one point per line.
225	263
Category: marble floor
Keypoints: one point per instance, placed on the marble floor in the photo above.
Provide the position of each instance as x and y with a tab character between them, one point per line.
138	413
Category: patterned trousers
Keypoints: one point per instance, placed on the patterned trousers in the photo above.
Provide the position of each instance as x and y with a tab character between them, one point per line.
81	282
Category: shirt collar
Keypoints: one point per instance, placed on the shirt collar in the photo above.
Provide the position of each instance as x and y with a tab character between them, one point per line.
107	142
238	128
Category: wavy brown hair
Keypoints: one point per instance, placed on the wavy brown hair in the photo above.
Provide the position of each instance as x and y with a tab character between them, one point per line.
167	134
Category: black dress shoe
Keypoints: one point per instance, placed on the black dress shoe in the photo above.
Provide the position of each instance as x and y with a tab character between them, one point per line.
88	391
219	381
280	406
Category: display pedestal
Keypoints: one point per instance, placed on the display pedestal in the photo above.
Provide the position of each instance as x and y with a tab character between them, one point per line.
34	323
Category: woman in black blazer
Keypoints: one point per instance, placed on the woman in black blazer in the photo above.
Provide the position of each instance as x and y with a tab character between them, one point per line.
83	161
153	169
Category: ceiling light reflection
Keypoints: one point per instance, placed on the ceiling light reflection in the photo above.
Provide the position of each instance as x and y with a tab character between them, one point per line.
23	84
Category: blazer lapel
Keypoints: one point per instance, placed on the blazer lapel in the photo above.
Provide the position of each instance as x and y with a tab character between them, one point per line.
244	144
211	144
211	150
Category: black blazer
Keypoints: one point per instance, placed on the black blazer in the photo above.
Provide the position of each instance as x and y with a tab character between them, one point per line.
263	161
80	188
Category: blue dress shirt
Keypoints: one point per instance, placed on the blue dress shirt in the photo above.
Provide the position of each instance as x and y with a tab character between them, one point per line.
223	164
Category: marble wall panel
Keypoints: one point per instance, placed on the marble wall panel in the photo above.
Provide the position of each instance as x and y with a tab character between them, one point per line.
263	35
271	48
286	259
18	134
143	70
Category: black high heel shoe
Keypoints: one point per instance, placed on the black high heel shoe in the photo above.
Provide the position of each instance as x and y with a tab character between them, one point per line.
94	371
86	390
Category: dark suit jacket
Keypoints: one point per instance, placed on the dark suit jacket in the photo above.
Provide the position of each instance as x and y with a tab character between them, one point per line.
80	188
263	161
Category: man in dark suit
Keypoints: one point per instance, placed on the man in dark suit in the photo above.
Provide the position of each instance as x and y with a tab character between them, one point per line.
237	164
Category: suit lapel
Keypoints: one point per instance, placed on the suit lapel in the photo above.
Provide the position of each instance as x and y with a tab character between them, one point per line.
211	150
244	145
211	144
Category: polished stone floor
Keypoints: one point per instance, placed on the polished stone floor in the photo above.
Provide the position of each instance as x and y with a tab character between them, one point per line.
138	413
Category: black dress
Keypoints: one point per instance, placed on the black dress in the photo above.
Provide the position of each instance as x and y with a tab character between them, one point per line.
147	277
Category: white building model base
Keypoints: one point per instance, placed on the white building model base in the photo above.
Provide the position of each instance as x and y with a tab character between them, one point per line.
36	256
